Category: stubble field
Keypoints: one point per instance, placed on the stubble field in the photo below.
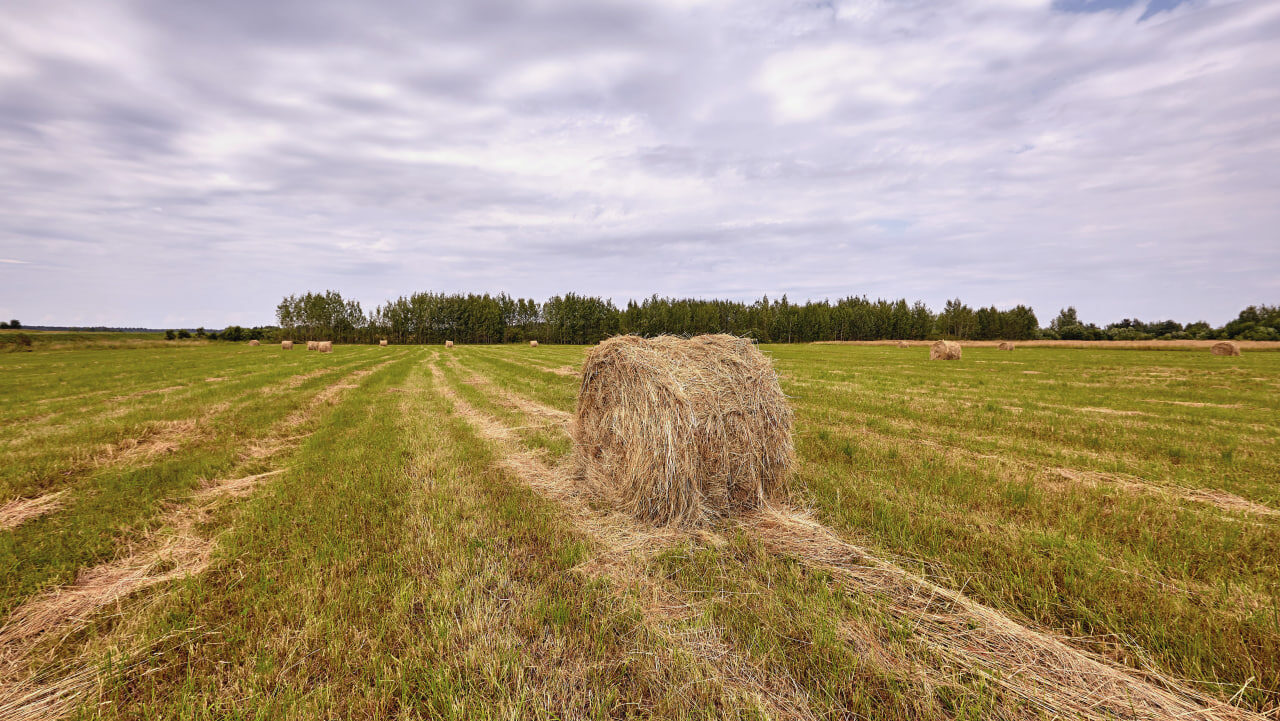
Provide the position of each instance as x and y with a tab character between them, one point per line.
222	531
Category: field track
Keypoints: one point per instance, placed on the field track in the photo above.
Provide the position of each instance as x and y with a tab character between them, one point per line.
395	532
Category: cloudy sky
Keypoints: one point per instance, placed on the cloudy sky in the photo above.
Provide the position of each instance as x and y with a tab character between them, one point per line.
185	162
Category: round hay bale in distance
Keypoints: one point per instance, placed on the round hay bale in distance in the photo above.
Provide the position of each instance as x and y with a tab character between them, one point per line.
1225	347
286	345
313	345
383	342
325	346
682	431
533	344
944	350
903	344
1005	345
254	342
448	344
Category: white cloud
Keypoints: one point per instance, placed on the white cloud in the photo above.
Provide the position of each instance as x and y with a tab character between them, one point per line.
987	150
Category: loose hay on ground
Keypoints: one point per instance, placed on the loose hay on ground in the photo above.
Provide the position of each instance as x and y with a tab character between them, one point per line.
682	431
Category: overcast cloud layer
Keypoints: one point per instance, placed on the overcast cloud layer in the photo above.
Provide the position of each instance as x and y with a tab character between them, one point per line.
169	163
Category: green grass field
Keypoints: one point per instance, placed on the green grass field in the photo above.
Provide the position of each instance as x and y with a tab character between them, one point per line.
216	531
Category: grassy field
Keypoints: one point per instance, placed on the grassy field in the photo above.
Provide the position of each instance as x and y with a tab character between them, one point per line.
217	531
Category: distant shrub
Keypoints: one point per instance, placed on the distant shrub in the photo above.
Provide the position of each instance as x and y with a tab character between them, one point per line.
184	334
18	341
170	335
1260	332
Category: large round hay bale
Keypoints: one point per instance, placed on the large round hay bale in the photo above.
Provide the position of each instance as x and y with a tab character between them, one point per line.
1005	345
313	345
448	344
944	350
286	345
325	346
903	344
682	431
254	342
533	344
1225	347
382	342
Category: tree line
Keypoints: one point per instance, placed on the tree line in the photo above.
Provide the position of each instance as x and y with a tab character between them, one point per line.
432	318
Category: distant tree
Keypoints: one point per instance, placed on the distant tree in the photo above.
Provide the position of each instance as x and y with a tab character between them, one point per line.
170	335
200	332
1257	322
15	324
184	333
1066	318
3	325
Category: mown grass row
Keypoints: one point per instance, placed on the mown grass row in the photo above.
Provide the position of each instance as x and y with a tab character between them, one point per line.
107	508
396	571
1145	576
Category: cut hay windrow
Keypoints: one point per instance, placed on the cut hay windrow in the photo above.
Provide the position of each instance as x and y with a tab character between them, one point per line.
182	551
286	345
20	510
1054	678
682	431
623	541
1226	347
944	350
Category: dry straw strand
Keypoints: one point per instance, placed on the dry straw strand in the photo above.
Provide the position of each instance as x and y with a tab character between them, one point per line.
682	431
944	350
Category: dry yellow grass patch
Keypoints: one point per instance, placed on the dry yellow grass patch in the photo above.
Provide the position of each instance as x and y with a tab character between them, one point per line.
20	510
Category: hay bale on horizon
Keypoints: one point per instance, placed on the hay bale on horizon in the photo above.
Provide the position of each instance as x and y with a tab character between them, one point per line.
325	346
448	344
1005	345
944	350
382	342
903	344
254	342
533	344
286	345
1225	347
313	345
682	431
